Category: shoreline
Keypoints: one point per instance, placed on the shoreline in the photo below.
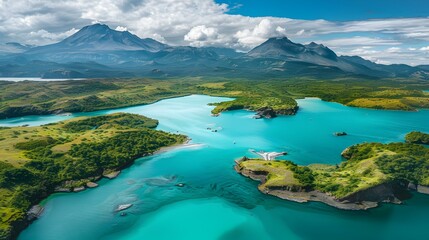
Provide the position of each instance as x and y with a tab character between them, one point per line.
186	144
305	197
387	192
60	111
30	217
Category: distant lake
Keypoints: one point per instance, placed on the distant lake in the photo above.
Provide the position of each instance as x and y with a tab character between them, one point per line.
20	79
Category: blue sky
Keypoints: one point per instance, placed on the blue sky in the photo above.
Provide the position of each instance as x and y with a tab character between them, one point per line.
335	10
383	31
406	44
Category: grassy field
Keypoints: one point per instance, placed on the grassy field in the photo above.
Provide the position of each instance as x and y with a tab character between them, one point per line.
280	173
34	98
36	160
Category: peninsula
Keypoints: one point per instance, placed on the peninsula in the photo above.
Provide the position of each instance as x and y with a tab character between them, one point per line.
68	156
372	173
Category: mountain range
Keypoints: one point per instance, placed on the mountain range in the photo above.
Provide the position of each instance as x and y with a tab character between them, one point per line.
99	51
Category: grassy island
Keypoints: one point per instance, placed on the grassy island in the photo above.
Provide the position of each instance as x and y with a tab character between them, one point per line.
280	105
372	173
65	156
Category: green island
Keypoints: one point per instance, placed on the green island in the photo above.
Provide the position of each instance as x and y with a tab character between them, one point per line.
372	173
417	137
68	156
56	97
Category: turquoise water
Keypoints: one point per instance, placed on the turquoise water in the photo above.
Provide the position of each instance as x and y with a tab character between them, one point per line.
18	79
216	202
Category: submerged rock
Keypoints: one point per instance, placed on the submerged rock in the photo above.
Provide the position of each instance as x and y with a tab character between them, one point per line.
339	134
123	207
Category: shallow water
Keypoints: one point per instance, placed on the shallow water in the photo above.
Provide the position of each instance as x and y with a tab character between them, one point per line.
216	202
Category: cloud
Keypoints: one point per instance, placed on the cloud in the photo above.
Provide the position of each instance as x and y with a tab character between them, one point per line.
203	23
200	34
393	50
300	32
359	41
265	29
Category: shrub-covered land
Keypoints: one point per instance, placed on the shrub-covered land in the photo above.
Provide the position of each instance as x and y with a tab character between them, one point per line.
36	160
35	98
417	137
279	104
367	165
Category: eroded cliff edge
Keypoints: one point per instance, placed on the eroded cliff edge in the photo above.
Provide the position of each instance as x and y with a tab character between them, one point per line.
371	173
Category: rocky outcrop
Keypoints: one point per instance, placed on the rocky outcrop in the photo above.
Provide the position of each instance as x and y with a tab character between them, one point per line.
265	112
289	111
346	153
111	175
34	212
423	189
91	184
340	134
269	112
393	192
62	189
78	189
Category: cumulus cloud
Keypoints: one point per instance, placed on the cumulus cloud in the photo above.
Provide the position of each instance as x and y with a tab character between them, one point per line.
265	29
198	35
201	23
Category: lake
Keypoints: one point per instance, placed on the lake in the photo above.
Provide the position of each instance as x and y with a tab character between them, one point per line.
218	203
20	79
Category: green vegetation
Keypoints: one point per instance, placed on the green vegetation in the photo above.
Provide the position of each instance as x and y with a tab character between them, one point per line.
36	160
279	104
281	173
417	137
367	165
34	98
